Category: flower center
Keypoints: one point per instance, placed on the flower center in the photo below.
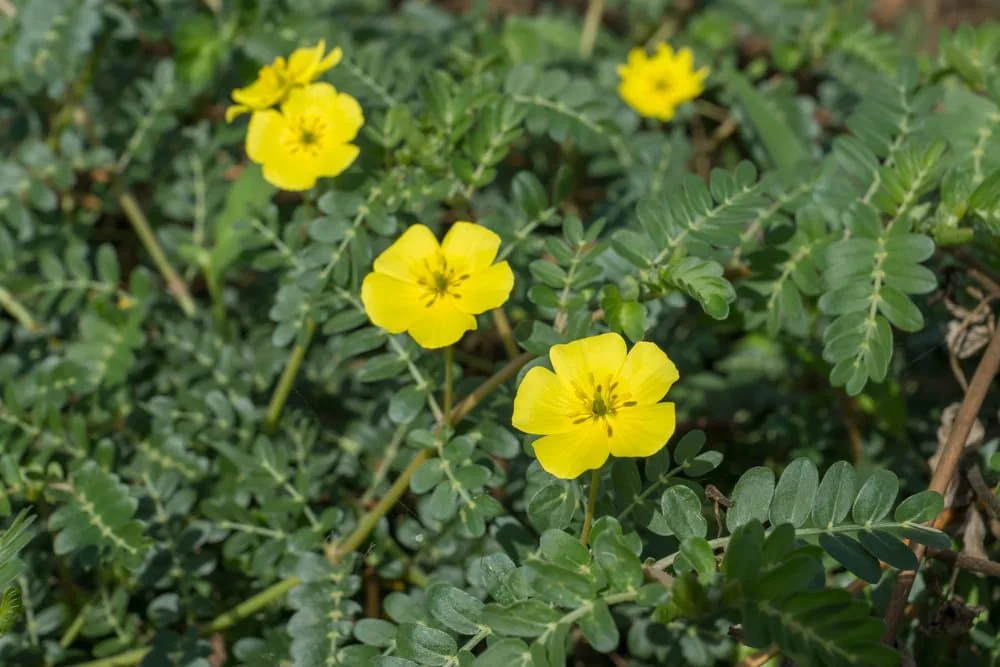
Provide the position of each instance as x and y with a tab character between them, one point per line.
440	280
305	135
661	85
602	404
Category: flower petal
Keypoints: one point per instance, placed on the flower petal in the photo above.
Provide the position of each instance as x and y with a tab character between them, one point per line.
544	404
288	175
589	361
331	60
485	290
337	159
347	118
303	63
262	136
647	373
471	246
236	110
441	325
643	430
404	259
391	304
299	100
568	455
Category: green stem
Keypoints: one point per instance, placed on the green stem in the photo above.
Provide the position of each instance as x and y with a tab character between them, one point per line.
595	483
287	380
449	381
218	304
591	26
17	311
251	606
368	522
141	225
74	629
244	610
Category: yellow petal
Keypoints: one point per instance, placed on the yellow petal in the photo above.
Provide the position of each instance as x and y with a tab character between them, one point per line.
300	100
302	64
588	362
331	60
470	245
262	136
568	455
289	175
347	118
441	325
647	373
485	290
236	110
391	304
337	159
405	258
544	404
642	430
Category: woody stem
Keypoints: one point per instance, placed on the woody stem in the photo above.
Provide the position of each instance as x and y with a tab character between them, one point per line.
595	483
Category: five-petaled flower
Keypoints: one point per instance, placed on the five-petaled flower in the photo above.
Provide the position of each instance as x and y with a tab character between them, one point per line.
599	401
308	139
656	86
434	291
275	81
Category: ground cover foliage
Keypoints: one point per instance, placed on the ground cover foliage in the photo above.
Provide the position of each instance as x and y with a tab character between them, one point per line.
210	455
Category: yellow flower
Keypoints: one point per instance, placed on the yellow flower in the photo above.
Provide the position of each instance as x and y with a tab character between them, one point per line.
598	402
656	86
434	291
308	139
276	80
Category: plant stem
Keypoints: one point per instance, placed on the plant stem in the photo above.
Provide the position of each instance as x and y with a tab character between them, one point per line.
74	629
947	466
218	305
505	332
133	657
449	382
334	551
595	483
287	380
243	610
251	606
17	311
368	522
488	386
141	225
591	26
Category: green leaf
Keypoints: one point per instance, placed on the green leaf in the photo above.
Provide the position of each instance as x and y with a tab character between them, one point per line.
528	618
876	497
920	508
888	549
497	571
850	554
783	145
598	627
682	512
751	497
689	446
505	653
561	586
619	562
553	506
424	644
696	555
375	632
835	495
564	549
247	197
453	608
795	493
